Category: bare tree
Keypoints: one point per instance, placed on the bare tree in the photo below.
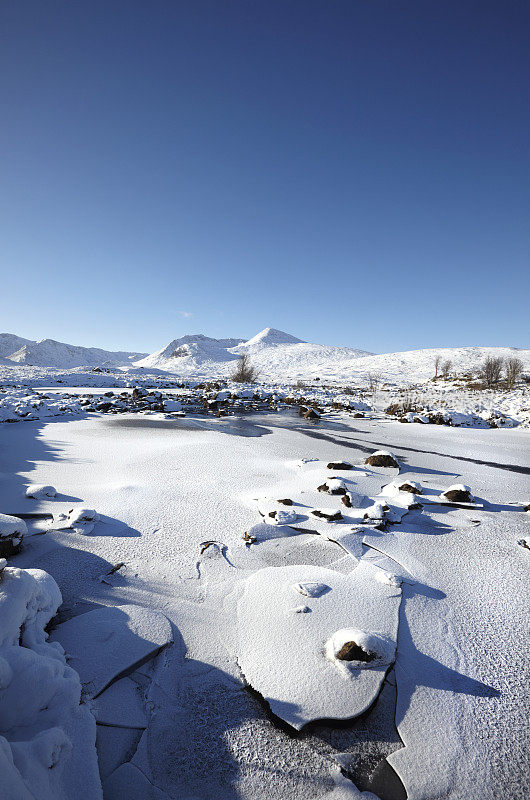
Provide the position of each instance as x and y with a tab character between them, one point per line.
437	363
374	382
244	372
492	370
513	369
446	368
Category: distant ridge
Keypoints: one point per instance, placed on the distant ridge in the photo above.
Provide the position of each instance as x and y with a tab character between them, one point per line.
50	353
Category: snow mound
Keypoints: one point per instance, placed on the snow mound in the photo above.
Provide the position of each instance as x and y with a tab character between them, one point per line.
46	735
40	492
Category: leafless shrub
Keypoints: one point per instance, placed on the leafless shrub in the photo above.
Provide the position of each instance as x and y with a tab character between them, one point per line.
244	372
374	382
437	363
513	369
492	370
446	368
407	403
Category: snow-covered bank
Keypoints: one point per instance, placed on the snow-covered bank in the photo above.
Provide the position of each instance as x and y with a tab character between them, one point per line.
47	735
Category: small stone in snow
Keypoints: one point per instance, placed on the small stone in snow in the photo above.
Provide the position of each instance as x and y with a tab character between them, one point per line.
311	589
330	516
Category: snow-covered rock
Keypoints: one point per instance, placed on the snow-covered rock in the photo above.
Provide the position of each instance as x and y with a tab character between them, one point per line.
457	493
382	458
40	492
12	531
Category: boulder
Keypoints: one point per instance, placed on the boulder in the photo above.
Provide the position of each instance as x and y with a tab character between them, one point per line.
458	493
12	531
409	486
382	458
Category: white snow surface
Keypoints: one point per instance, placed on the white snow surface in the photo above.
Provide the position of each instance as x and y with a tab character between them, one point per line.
162	487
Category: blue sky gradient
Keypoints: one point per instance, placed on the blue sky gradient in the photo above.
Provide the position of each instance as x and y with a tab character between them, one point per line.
354	172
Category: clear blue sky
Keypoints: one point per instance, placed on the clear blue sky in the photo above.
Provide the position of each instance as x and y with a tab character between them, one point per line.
354	172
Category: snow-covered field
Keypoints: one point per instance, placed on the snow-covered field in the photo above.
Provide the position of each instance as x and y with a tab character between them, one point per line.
230	645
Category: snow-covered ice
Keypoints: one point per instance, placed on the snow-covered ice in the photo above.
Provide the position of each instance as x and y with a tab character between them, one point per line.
286	657
443	585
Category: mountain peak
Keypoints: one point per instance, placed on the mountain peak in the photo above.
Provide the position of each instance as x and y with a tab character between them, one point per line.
271	336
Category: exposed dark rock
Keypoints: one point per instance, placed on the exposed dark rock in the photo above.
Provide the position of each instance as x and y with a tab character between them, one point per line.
351	651
382	459
336	465
409	487
331	517
458	496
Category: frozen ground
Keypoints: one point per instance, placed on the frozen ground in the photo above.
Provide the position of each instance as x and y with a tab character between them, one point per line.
174	499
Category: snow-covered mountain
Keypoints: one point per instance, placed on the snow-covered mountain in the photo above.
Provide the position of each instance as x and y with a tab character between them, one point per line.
191	352
10	343
49	353
278	357
275	354
268	337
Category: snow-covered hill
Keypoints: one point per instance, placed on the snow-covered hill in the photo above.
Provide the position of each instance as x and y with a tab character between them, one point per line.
49	353
276	355
280	357
10	343
417	366
190	353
